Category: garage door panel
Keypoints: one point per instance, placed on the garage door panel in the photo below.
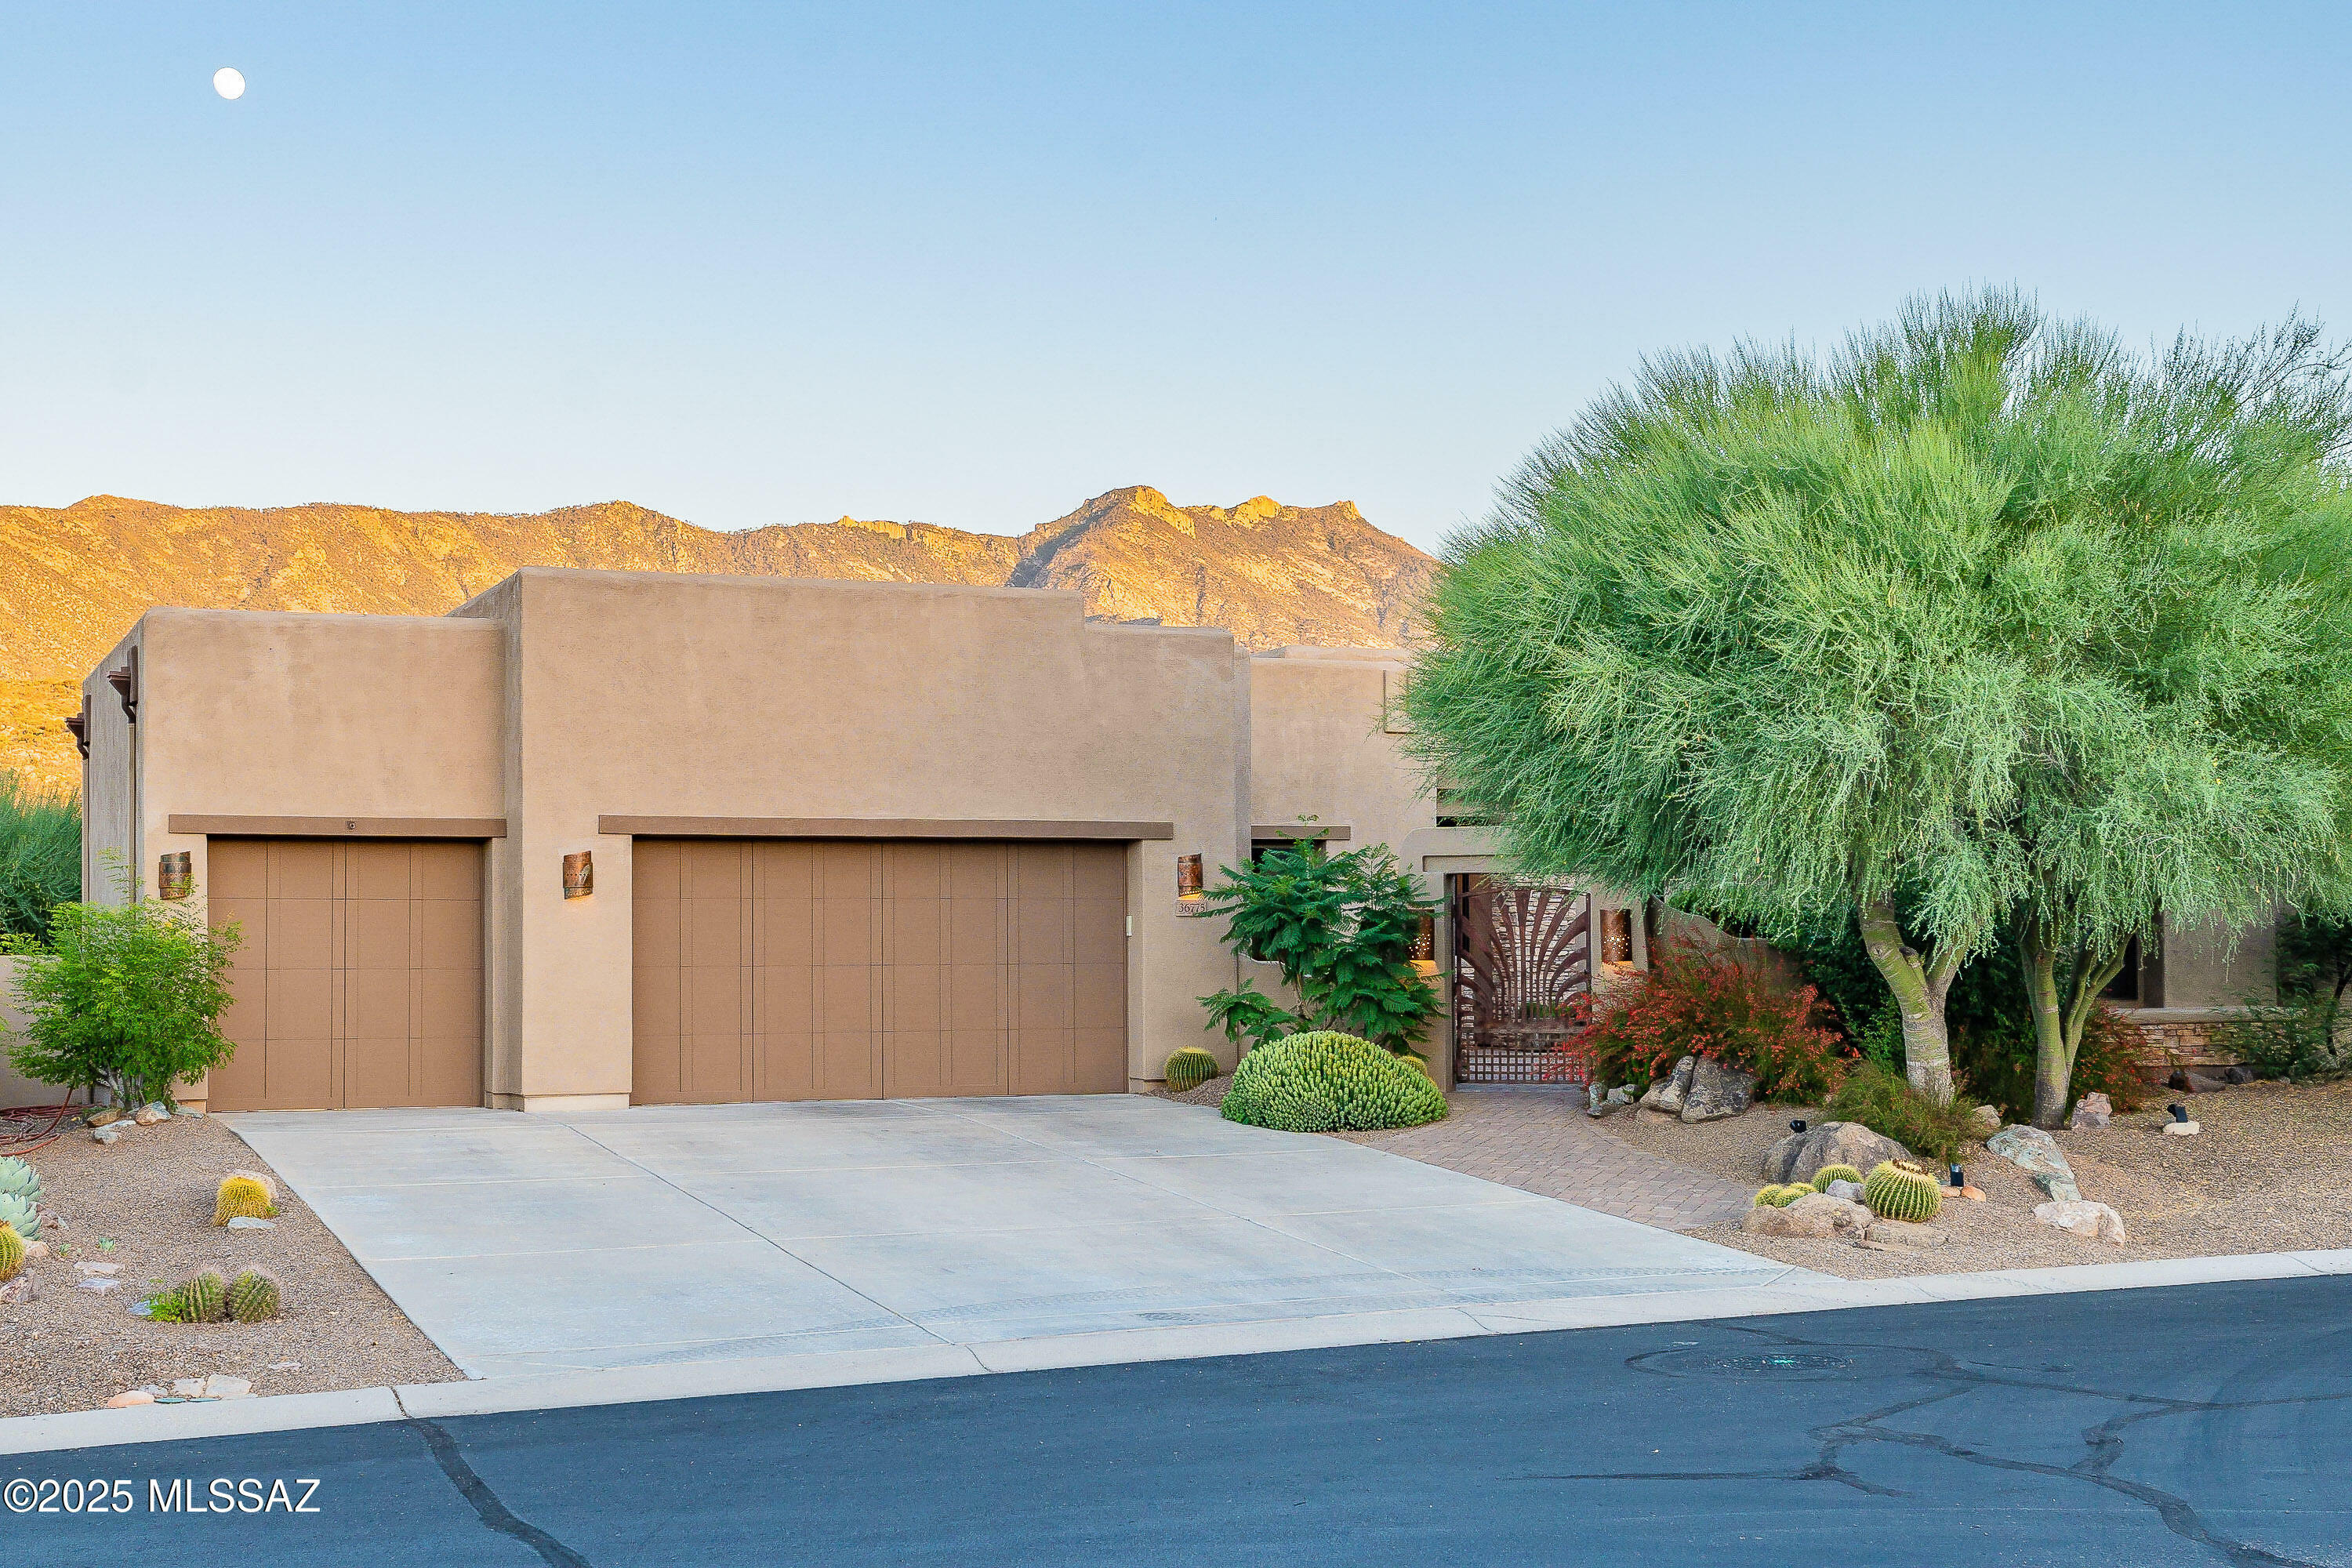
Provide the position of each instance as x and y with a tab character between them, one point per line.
657	1079
899	968
360	983
714	1065
654	873
300	870
377	1073
237	869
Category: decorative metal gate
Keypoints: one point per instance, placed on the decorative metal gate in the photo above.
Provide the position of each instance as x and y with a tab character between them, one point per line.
1521	958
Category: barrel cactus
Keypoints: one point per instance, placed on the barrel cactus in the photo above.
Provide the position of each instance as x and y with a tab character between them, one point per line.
18	1215
241	1197
254	1297
1189	1066
1329	1082
12	1253
1781	1194
1898	1189
1828	1173
19	1180
204	1298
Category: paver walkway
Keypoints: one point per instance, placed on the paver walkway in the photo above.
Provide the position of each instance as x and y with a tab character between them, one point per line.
1540	1141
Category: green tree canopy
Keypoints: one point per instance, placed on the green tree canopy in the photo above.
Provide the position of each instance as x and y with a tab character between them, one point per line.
1980	625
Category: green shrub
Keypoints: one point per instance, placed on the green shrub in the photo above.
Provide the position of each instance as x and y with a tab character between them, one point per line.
1328	1082
2305	1041
40	857
1189	1066
1828	1173
1900	1190
126	1000
1884	1102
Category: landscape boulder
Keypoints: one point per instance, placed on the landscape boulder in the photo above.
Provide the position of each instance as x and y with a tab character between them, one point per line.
1987	1117
1851	1190
1668	1093
2092	1222
1818	1215
2093	1109
1796	1157
1717	1091
2037	1153
1903	1233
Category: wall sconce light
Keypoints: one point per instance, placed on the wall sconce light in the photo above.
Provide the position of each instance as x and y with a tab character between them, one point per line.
77	726
579	875
175	874
1424	938
1189	884
1616	936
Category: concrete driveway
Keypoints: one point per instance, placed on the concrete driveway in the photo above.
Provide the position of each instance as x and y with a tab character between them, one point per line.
656	1236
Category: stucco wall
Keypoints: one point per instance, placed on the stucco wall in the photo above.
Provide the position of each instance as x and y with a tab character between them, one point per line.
658	695
2213	966
110	781
15	1088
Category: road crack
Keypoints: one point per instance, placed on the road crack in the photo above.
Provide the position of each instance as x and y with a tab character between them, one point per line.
486	1502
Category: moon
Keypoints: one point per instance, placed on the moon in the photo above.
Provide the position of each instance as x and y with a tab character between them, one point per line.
229	82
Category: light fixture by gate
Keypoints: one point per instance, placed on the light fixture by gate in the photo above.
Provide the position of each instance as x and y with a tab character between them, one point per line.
1424	938
173	875
1187	877
125	683
579	875
77	726
1616	936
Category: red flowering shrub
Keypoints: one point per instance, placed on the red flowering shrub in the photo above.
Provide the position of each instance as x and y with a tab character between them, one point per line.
1693	1004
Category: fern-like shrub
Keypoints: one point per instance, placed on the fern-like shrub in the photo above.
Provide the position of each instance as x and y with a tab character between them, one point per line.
1329	1082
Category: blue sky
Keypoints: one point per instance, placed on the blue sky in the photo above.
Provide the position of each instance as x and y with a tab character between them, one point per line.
751	264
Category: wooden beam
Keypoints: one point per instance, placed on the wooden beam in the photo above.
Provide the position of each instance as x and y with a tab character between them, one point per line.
876	827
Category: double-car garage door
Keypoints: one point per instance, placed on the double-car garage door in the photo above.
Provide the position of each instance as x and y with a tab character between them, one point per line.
358	981
778	969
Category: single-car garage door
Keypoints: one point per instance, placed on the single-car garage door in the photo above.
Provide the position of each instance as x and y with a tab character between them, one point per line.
359	982
782	969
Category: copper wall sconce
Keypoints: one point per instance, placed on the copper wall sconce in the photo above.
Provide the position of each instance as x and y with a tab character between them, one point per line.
1189	884
175	874
1616	936
579	875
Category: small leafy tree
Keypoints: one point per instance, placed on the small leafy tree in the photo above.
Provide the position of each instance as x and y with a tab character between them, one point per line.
1342	928
126	1000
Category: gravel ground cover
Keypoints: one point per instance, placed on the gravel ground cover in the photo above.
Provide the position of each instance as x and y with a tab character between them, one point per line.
2265	1174
151	1195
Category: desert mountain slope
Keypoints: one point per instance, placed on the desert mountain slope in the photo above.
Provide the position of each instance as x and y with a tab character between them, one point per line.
73	580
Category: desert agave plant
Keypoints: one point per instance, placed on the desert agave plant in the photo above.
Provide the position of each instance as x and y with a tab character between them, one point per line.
18	1215
19	1180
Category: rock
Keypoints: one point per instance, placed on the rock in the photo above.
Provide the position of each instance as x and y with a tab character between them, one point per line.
1799	1154
2092	1222
108	1134
1622	1094
102	1116
1666	1095
1596	1099
19	1291
2177	1130
1902	1233
250	1222
2036	1153
1817	1215
2238	1075
106	1269
97	1287
1974	1194
148	1115
129	1397
285	1367
220	1385
1850	1191
188	1387
37	1249
1717	1091
2093	1110
2189	1082
1987	1119
190	1112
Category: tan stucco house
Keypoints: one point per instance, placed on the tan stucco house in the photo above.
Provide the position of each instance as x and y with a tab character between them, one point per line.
601	838
596	838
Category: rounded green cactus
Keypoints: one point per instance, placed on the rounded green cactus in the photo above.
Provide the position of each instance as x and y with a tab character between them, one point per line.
254	1297
1779	1196
1828	1173
12	1253
1329	1082
18	1179
241	1197
204	1298
1189	1066
1898	1189
18	1215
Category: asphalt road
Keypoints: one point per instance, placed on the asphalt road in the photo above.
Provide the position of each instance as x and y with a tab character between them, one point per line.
2196	1424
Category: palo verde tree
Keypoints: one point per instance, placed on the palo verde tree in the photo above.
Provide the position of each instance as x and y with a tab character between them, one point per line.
1898	632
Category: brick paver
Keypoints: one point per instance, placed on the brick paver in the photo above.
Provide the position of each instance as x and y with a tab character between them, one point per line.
1540	1139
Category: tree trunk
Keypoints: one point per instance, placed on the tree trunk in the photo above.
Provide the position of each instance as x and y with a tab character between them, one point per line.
1920	986
2060	1013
